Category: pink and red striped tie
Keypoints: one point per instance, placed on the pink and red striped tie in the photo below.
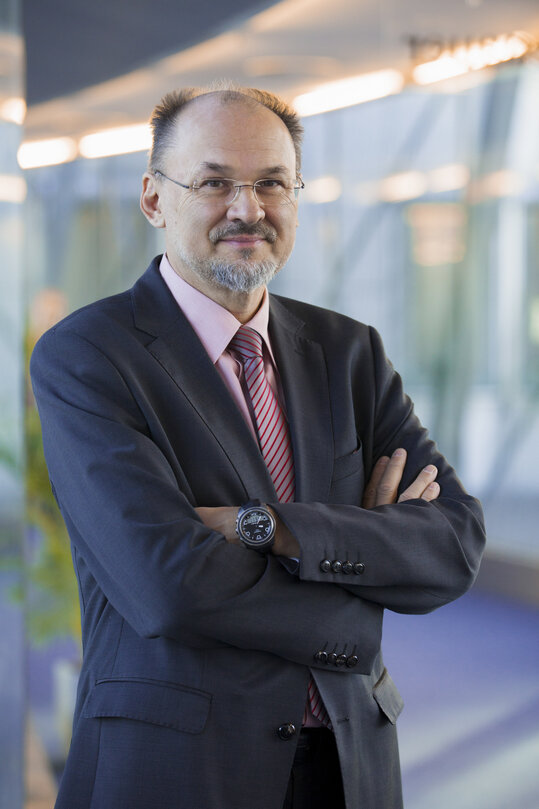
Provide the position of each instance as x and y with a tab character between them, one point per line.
274	438
271	425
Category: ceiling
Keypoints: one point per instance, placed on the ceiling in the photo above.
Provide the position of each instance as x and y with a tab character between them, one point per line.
106	63
72	44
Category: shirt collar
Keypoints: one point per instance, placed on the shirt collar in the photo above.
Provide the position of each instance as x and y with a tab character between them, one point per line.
214	325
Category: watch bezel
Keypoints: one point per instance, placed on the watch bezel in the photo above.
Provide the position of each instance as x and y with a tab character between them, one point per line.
264	545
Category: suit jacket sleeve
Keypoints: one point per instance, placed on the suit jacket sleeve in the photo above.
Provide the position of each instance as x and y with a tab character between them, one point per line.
132	523
414	556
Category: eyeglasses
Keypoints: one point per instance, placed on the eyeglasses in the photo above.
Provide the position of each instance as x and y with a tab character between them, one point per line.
223	191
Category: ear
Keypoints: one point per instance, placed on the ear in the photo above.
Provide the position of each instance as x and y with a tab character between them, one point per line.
150	203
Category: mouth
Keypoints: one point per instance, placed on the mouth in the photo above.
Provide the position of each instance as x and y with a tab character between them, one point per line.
243	238
243	241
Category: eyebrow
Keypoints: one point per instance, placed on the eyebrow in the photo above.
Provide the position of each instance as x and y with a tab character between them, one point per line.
221	169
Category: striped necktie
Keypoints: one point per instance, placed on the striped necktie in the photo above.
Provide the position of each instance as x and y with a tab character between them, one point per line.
271	425
274	439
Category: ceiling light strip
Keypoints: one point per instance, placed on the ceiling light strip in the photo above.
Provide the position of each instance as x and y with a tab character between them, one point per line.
474	56
348	92
325	98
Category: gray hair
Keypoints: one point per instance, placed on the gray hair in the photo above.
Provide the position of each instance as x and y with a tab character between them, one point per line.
166	113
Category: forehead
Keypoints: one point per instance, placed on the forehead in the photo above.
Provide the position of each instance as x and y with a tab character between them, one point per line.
243	136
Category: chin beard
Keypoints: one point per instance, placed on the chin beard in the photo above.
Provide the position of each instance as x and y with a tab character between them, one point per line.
237	276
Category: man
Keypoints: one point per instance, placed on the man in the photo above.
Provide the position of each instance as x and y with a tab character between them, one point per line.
209	447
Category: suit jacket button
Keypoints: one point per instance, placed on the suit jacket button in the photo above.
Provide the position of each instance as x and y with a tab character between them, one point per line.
359	567
325	565
347	567
352	661
321	657
332	658
286	731
336	566
341	660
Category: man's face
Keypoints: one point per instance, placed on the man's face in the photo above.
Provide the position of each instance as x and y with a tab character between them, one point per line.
239	246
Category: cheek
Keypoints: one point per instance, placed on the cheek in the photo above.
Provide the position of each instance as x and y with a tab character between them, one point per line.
190	228
288	233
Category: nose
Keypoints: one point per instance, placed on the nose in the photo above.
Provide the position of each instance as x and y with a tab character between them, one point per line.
245	206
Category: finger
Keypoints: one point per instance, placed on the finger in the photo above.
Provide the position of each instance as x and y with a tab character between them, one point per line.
386	491
369	494
418	488
431	492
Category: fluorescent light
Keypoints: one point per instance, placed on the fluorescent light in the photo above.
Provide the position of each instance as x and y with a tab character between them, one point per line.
51	152
347	92
450	177
323	189
403	186
445	67
504	183
475	56
120	140
13	110
12	188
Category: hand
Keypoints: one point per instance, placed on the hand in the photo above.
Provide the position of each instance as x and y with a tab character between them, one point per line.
223	520
385	479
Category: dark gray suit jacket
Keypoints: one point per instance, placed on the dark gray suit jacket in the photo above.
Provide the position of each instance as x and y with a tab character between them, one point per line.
196	651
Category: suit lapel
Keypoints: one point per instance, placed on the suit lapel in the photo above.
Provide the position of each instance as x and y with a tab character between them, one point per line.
179	351
302	368
303	373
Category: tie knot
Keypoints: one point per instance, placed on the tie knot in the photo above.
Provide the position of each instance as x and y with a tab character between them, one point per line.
247	342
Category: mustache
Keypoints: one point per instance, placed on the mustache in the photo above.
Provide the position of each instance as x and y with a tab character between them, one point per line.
241	229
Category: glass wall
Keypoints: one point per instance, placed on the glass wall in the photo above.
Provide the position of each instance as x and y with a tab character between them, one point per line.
12	681
432	238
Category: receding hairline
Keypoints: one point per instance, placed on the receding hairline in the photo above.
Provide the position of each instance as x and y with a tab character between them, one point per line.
167	114
227	97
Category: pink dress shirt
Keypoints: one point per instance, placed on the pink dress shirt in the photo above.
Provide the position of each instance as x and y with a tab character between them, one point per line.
215	327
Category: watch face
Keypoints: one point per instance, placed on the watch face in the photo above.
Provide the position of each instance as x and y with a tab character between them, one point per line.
256	526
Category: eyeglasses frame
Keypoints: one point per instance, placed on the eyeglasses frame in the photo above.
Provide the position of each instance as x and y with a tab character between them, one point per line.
237	186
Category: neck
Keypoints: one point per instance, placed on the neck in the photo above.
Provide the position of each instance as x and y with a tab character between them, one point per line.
243	305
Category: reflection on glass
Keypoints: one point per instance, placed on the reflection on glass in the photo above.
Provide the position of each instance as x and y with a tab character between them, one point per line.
12	192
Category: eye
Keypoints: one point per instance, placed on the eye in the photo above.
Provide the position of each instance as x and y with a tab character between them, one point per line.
270	184
214	184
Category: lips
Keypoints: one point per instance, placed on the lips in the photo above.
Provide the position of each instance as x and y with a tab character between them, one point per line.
243	240
242	236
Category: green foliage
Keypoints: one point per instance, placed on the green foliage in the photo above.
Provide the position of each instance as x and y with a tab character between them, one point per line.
47	587
51	586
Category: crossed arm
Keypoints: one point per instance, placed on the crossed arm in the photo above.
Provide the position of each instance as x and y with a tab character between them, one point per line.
380	490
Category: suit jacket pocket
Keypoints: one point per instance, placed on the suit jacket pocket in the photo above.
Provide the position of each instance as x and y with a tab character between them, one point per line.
152	701
348	478
348	464
388	698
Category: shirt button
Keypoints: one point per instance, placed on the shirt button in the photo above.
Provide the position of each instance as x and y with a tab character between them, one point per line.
359	567
336	566
286	731
325	565
347	567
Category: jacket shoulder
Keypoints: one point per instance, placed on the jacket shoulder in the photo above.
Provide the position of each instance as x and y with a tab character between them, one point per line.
106	320
319	322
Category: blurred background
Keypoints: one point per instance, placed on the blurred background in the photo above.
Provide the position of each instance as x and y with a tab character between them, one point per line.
420	216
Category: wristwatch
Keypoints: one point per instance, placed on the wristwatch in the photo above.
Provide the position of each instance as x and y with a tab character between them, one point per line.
255	526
